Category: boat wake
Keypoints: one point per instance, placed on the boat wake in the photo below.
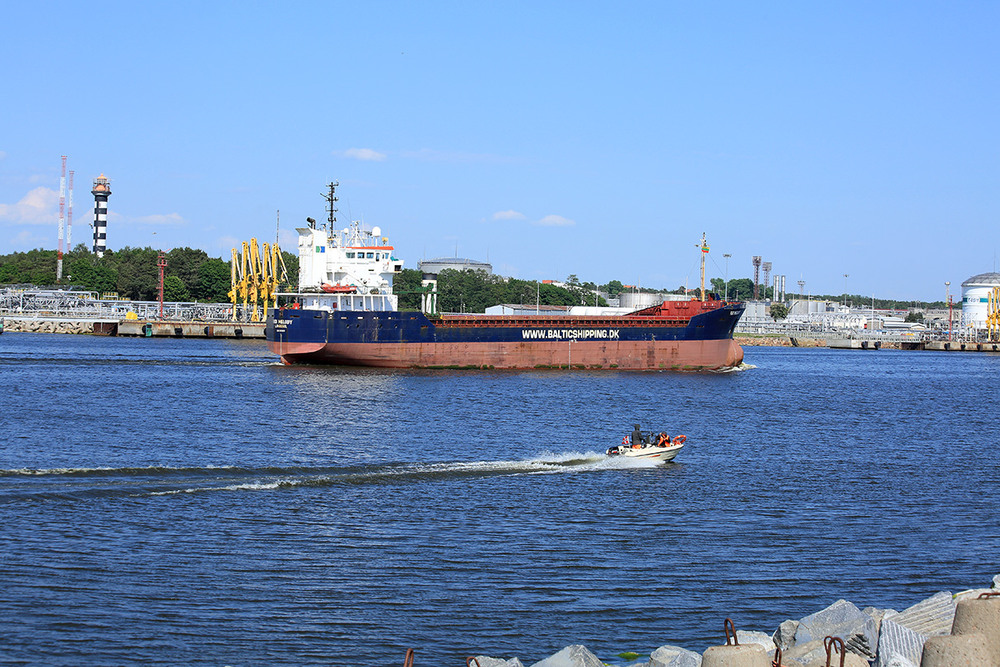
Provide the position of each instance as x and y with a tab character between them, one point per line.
736	369
67	484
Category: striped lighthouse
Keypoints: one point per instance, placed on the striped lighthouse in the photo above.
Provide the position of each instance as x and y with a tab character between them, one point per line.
101	193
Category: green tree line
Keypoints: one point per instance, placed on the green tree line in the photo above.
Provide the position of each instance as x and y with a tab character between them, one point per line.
472	291
191	275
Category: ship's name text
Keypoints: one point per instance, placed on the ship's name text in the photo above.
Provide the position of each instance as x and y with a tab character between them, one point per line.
570	334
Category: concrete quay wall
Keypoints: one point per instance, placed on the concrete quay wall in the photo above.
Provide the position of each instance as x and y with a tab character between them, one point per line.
169	329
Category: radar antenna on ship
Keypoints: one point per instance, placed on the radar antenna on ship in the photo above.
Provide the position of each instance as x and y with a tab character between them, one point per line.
332	199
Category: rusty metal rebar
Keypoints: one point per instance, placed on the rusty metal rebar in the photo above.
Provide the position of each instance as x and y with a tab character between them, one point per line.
731	639
408	661
832	644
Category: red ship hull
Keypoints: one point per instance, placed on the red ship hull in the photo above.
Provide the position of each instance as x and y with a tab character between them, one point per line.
624	355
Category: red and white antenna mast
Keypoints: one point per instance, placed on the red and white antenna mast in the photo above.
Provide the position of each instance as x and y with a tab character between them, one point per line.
69	216
62	219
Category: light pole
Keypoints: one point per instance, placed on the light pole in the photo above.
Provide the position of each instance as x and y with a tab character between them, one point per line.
845	290
727	256
947	300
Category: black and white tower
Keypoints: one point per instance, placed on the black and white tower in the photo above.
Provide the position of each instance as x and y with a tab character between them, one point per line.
101	193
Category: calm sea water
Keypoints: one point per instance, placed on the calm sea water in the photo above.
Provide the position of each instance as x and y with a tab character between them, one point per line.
192	502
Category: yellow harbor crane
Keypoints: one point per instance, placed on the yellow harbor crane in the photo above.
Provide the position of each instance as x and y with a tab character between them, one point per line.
254	278
993	314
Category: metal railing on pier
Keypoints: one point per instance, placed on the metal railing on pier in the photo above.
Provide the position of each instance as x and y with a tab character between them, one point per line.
84	305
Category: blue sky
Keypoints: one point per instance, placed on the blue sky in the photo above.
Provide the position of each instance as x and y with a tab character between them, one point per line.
593	138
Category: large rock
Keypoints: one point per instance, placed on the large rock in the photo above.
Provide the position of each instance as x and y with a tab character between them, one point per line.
674	656
841	619
903	635
486	661
576	655
784	636
996	581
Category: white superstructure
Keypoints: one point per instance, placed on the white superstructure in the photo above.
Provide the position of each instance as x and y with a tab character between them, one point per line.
349	269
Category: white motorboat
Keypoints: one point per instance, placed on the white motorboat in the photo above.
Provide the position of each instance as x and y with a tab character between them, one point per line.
653	446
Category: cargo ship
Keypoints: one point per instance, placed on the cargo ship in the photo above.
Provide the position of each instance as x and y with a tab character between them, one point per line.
345	313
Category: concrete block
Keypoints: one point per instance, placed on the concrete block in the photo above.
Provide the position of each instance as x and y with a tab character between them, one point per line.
952	650
980	616
486	661
784	636
576	655
762	639
970	594
674	656
841	619
749	655
996	581
850	660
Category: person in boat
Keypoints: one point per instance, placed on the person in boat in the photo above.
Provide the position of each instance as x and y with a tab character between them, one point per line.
636	436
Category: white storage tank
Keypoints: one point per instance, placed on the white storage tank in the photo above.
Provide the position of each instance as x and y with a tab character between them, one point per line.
636	300
976	296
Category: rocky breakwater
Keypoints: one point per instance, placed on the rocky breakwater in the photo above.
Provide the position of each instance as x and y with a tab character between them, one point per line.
778	341
39	325
943	630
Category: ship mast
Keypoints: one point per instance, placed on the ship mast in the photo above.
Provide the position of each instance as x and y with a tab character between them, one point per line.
704	251
331	209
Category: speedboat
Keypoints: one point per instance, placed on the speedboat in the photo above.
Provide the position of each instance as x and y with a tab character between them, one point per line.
654	446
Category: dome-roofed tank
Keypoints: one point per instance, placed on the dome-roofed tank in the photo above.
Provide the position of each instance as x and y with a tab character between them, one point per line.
976	296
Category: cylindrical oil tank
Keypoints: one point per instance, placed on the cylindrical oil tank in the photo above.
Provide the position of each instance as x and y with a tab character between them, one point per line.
975	298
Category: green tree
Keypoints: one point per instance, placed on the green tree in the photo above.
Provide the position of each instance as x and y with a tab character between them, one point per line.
613	288
407	285
138	275
214	280
740	289
185	263
174	289
914	316
291	282
779	311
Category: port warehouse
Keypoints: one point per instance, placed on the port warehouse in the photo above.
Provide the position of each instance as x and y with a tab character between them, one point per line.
806	317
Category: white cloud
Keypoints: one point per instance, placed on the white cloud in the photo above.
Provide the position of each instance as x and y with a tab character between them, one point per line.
38	207
508	215
157	219
364	154
555	221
